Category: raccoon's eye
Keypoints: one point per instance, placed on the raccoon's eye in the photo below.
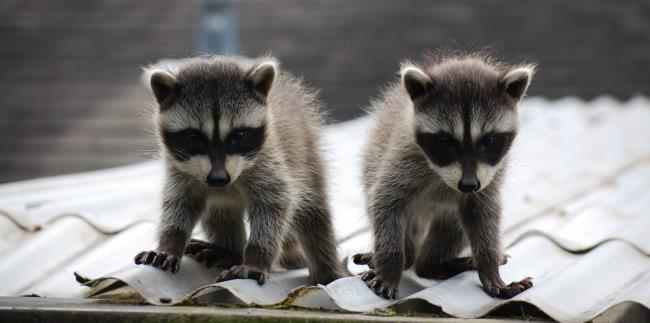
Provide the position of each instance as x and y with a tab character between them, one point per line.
185	143
444	141
245	141
492	147
194	137
238	135
441	148
489	141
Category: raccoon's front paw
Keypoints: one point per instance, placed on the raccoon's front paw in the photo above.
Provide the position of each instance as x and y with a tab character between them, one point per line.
158	259
243	272
364	259
511	290
368	259
381	287
212	255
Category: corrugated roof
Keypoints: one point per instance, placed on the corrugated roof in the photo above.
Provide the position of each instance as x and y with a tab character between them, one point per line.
575	218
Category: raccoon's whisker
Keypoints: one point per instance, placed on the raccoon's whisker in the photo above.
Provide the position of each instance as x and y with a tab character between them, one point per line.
182	153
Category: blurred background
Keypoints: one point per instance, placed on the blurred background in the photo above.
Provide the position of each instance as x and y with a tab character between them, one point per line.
71	98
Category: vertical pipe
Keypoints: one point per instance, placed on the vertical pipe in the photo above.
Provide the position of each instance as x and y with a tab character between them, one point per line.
218	28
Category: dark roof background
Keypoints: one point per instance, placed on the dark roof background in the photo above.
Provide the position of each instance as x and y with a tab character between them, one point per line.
348	48
70	97
70	94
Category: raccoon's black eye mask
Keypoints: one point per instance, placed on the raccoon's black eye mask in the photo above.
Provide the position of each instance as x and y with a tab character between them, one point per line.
186	143
493	146
245	141
443	149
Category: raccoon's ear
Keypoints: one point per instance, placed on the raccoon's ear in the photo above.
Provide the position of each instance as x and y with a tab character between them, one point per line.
261	78
164	86
416	82
516	81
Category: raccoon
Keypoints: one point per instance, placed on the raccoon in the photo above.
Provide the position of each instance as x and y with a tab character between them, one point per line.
240	137
433	168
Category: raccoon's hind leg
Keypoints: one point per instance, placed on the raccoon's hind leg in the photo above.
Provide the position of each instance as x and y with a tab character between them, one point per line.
292	256
226	239
409	255
314	230
449	268
437	257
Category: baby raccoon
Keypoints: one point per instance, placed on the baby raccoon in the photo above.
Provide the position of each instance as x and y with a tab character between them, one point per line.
433	168
239	136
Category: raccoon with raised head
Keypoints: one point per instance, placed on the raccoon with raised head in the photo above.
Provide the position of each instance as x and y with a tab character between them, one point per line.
238	136
433	168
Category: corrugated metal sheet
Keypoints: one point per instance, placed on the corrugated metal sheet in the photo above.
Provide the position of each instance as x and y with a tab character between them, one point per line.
575	218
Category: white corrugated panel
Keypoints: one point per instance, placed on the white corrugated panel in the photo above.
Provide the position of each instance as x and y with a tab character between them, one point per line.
575	218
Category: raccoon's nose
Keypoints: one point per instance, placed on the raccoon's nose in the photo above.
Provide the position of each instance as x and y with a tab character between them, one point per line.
467	185
218	178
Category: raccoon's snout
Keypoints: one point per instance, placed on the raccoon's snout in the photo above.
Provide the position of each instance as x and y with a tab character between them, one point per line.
218	178
469	185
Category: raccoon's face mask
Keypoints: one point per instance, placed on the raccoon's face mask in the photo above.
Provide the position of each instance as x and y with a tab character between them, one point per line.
468	165
466	127
214	133
214	161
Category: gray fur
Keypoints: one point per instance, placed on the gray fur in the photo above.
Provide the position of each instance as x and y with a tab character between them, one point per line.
281	188
418	212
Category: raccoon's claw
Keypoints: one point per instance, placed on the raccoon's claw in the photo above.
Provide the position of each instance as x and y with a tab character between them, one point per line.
368	275
364	259
511	290
159	260
503	259
379	286
212	255
243	272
